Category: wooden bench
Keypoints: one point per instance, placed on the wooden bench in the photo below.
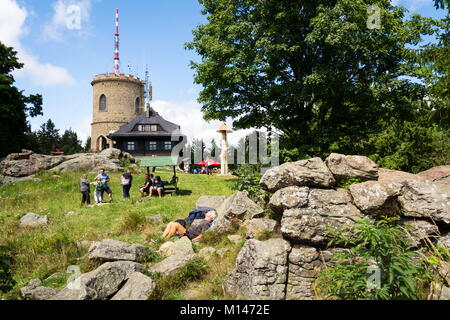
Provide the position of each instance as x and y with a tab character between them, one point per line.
172	186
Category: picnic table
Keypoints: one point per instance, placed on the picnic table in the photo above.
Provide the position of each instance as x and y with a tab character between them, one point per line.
170	187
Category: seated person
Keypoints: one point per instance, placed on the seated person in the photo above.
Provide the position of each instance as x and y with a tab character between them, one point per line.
145	189
194	233
157	186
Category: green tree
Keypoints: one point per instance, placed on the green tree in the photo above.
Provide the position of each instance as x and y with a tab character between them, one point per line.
311	69
15	107
69	142
87	145
48	137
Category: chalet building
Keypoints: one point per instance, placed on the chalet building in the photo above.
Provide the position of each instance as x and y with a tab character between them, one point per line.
148	134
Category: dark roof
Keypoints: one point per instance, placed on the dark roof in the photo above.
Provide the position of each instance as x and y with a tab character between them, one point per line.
170	128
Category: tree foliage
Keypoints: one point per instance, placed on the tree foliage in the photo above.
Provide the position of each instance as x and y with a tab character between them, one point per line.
15	107
312	70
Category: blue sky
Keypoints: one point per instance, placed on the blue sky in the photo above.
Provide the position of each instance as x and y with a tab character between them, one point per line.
60	62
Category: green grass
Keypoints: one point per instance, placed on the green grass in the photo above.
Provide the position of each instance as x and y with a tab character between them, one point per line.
39	253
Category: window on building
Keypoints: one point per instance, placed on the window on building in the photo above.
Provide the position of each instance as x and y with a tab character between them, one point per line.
131	146
153	128
147	127
167	145
137	105
152	146
102	103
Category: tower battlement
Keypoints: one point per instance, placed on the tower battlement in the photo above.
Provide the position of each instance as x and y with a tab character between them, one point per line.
116	77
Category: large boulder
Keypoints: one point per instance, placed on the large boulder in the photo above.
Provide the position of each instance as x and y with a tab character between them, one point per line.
419	230
376	198
389	176
89	163
260	271
235	210
35	291
32	220
138	287
101	283
326	209
181	246
304	173
172	264
210	201
425	199
28	165
112	153
440	174
288	198
359	167
113	250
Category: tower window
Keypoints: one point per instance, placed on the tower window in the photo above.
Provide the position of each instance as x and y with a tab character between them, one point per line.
102	104
137	105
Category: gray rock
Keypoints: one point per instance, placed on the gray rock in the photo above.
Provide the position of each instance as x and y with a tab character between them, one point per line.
376	198
444	241
425	200
259	225
29	166
210	201
386	175
112	153
359	167
326	209
305	264
304	173
113	250
32	220
207	252
439	292
288	198
172	264
138	287
260	271
156	219
101	283
37	293
181	246
89	163
235	210
420	229
437	174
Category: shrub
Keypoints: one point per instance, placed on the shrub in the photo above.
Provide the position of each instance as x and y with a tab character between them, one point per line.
6	278
132	222
248	180
384	246
347	182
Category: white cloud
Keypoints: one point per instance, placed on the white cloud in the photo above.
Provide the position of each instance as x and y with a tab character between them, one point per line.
69	16
411	4
189	116
12	28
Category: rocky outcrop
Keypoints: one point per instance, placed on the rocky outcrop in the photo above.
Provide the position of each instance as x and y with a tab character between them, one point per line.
32	220
309	206
359	167
261	271
326	209
18	167
138	287
113	250
304	173
100	284
172	264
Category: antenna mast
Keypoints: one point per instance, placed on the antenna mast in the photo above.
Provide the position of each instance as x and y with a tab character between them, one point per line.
116	47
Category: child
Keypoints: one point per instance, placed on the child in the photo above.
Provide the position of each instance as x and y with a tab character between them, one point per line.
98	187
85	190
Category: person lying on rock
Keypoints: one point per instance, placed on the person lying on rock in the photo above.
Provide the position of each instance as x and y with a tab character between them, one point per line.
194	232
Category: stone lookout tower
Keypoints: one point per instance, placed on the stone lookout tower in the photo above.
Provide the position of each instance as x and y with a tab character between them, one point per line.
117	99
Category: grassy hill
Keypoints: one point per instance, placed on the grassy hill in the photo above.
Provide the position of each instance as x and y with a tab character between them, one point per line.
40	253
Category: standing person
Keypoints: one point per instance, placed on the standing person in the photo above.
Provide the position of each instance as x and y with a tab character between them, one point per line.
104	179
126	181
157	186
208	166
85	190
98	191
